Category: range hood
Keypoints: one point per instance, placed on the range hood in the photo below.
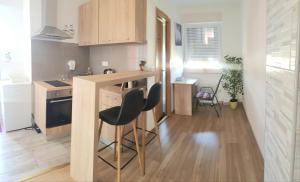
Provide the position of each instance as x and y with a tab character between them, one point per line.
50	32
49	23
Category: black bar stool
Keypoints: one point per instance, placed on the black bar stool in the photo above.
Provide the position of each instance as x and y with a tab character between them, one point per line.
131	107
150	103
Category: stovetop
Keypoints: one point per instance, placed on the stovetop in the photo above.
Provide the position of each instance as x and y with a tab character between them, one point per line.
57	83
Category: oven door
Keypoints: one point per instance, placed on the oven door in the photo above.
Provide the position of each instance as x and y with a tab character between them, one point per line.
59	112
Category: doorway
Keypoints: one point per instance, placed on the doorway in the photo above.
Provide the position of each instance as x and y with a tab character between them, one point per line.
163	42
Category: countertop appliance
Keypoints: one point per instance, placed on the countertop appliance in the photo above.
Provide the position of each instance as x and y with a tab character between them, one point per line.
109	71
57	83
58	108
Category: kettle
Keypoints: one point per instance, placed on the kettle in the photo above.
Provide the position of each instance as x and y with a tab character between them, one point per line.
109	71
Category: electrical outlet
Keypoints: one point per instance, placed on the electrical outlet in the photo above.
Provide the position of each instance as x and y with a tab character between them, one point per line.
105	63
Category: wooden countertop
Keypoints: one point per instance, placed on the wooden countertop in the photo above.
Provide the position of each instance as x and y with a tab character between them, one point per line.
186	82
102	80
116	78
49	87
85	120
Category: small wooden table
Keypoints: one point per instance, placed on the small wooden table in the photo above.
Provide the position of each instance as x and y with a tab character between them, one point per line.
85	121
184	92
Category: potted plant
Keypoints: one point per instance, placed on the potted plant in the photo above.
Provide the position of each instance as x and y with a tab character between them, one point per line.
233	79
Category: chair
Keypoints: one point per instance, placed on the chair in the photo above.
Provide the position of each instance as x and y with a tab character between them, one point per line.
208	94
149	104
131	107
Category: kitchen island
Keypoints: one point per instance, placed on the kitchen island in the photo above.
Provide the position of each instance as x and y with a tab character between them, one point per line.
85	121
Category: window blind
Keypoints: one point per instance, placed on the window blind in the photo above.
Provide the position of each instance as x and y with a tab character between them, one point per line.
203	42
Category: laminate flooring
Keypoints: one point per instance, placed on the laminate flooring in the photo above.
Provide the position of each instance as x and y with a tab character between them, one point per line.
198	148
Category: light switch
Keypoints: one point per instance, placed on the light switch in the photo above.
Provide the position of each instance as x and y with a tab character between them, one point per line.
104	63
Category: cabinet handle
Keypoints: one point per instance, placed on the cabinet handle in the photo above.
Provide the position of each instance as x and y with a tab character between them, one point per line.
62	100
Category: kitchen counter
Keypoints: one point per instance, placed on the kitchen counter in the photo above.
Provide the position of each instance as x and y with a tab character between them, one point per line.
109	96
49	87
186	82
85	120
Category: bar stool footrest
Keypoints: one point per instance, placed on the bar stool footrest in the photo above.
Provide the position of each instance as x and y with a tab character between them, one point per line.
110	164
146	131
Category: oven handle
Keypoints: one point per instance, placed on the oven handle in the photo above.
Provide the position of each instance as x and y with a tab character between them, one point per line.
62	100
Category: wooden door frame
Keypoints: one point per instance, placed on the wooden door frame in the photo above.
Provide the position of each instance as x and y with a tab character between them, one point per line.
161	14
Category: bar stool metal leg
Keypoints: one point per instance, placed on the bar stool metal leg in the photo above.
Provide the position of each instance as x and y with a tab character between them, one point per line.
99	131
115	145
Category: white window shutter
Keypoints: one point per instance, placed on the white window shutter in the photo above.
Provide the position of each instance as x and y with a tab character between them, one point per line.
203	42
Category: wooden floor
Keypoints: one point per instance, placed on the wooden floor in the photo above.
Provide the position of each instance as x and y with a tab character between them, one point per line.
199	148
25	152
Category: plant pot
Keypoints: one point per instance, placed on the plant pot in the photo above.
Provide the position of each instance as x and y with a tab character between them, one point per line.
233	104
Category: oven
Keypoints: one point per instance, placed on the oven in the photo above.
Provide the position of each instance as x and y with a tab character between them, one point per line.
58	108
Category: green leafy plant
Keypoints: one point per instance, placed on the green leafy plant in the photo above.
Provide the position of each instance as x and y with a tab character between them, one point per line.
233	77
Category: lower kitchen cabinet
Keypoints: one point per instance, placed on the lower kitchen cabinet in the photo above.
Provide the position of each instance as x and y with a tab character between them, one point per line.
53	109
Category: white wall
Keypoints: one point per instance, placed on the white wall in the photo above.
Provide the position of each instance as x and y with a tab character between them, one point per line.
15	40
176	51
67	14
254	53
230	16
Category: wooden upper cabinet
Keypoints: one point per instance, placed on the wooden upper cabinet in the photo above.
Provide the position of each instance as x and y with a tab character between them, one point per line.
106	21
118	21
88	23
125	23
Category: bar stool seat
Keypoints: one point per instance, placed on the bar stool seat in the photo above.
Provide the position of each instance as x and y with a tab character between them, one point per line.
110	115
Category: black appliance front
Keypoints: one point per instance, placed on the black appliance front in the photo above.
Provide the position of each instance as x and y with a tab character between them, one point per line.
57	83
59	112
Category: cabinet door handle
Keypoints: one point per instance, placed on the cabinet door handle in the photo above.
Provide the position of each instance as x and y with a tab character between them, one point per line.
62	100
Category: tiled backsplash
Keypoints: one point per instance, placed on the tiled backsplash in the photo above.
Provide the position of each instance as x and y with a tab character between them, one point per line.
119	57
49	59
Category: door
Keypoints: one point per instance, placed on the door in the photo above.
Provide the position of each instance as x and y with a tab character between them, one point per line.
161	109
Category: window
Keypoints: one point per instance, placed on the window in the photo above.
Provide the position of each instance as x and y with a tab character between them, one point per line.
203	46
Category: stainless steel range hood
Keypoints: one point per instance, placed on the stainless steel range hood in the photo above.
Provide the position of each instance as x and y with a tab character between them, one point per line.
50	32
49	23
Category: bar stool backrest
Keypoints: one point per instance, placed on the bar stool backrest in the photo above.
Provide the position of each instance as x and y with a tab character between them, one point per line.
131	107
153	97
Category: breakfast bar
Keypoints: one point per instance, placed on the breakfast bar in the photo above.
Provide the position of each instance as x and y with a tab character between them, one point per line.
85	120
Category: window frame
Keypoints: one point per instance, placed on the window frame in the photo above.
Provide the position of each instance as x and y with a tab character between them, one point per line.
197	25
